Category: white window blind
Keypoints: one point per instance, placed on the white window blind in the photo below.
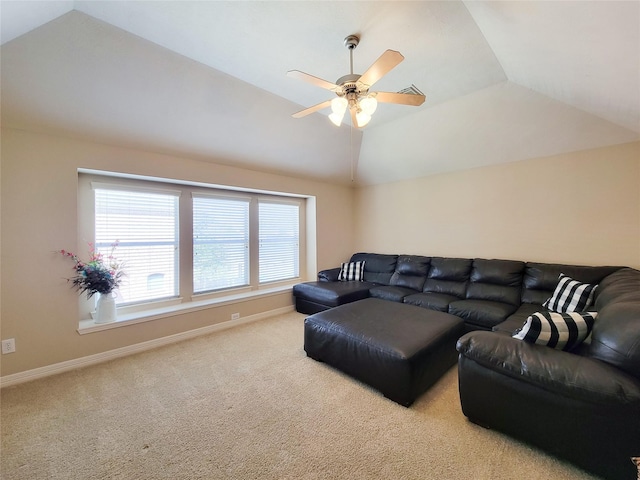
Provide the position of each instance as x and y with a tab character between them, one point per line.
145	224
278	241
220	243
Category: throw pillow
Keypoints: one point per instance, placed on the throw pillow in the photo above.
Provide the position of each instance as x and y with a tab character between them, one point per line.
570	295
562	331
351	271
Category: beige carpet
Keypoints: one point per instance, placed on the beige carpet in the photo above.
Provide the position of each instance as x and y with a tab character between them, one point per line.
246	403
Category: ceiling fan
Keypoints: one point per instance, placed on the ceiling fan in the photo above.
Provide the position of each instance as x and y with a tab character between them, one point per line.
353	92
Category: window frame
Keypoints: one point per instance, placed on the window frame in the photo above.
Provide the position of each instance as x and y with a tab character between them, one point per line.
186	295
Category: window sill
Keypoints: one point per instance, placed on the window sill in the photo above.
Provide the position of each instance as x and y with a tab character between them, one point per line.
90	326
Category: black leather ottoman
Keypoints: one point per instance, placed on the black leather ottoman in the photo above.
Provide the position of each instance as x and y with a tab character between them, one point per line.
398	349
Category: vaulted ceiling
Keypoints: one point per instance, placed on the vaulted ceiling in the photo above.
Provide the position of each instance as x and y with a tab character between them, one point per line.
504	81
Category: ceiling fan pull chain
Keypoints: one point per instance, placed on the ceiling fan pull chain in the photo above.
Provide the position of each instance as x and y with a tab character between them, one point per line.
351	153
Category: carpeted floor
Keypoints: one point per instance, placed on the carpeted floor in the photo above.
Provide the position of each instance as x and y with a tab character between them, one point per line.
246	403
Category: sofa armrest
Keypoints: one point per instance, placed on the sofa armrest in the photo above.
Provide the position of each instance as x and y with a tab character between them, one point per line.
330	275
560	372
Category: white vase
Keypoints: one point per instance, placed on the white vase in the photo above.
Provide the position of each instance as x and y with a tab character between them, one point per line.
105	308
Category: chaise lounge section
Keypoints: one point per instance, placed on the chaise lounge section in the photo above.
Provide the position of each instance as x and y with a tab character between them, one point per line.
329	292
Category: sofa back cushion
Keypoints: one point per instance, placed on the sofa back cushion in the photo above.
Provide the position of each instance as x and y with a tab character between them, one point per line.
378	268
540	279
496	280
615	338
448	275
411	271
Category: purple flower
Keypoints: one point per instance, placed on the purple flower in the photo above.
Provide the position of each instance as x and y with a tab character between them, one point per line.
95	276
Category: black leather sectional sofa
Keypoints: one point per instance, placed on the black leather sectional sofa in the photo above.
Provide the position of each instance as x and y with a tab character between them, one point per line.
582	405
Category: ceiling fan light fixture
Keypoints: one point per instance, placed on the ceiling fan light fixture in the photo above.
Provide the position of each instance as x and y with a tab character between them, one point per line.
339	105
368	104
336	118
362	118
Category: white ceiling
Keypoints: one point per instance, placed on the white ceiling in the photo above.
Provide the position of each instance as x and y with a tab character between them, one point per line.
504	81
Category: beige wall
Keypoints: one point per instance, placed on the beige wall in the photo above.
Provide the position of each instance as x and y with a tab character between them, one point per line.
580	208
39	217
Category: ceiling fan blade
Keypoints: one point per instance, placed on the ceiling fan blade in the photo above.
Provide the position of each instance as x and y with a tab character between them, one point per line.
401	98
315	108
318	82
354	119
383	65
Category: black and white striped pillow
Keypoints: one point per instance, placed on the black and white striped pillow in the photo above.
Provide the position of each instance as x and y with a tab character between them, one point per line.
351	271
570	295
562	331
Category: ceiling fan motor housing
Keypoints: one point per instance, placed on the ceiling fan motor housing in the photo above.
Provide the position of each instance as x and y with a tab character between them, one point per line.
349	82
349	86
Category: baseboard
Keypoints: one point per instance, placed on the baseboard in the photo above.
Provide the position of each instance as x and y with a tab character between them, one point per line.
68	365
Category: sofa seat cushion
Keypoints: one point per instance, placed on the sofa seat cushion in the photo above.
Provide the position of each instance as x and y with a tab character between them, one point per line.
484	314
517	318
332	294
433	301
390	292
493	293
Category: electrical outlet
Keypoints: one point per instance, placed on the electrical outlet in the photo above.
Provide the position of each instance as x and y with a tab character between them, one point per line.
235	316
9	345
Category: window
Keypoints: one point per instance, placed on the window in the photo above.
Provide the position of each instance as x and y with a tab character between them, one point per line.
182	243
145	225
220	243
279	241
